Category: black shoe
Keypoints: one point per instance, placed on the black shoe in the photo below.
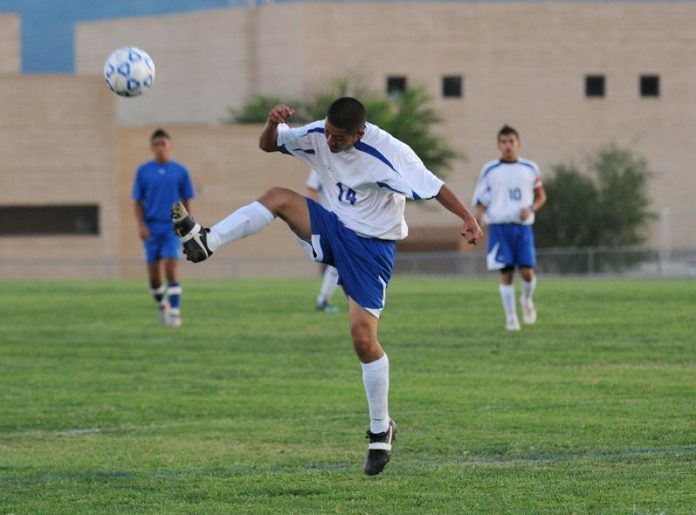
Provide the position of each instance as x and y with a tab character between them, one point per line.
379	450
191	234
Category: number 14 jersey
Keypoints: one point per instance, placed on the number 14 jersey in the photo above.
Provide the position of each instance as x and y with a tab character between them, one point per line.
366	185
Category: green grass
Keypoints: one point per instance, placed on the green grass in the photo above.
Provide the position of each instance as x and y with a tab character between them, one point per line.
256	404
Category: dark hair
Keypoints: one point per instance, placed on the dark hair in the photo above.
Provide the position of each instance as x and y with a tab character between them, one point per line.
159	133
347	113
508	130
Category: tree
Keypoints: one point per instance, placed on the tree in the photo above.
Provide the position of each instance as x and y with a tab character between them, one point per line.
607	205
409	117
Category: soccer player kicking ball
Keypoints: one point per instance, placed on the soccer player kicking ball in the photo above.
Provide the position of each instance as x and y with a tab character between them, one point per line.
508	193
367	174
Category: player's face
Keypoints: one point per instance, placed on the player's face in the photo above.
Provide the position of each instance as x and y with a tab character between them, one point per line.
162	149
340	139
509	147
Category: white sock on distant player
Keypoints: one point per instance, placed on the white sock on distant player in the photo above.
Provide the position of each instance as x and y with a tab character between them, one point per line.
507	294
245	221
376	381
328	285
528	288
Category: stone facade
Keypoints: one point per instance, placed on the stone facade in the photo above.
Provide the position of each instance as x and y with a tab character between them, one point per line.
10	46
58	148
521	63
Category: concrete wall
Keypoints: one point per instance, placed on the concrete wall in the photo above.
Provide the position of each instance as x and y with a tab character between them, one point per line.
522	64
57	147
10	46
202	62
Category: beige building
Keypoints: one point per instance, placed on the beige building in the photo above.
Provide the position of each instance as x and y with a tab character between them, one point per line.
70	148
57	175
10	48
567	75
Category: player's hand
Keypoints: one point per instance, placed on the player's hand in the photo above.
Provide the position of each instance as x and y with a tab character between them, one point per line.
279	113
525	213
472	231
144	233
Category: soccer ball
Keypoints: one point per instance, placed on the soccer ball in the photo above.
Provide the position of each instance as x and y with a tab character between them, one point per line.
129	72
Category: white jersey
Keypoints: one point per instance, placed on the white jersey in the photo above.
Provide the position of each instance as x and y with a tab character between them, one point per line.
313	183
504	188
367	185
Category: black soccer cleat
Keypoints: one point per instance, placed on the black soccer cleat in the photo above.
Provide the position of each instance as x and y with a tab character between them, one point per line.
191	234
379	449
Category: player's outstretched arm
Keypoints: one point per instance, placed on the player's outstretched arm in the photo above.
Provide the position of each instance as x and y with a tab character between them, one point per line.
268	141
471	230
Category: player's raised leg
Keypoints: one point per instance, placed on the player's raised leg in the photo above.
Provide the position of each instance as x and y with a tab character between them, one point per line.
375	372
200	243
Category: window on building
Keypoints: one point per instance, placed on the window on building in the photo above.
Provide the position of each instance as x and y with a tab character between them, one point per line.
452	86
649	85
49	220
396	85
594	86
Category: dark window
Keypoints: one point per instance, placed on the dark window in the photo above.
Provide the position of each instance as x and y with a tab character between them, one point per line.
396	85
594	86
649	85
452	86
49	220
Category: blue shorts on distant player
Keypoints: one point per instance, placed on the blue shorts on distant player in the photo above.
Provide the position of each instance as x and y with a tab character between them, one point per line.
163	243
510	245
364	264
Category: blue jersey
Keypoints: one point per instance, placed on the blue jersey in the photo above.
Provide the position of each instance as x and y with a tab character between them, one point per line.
158	186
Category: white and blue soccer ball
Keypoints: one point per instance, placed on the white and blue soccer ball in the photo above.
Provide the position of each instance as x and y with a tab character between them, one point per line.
129	72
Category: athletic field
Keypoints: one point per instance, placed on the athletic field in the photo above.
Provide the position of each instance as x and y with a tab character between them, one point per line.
256	404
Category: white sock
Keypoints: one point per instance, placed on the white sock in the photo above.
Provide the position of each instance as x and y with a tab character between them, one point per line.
507	294
328	286
376	380
244	222
528	288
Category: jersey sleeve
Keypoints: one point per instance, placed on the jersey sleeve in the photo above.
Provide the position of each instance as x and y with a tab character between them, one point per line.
538	183
138	192
299	141
405	173
313	180
422	183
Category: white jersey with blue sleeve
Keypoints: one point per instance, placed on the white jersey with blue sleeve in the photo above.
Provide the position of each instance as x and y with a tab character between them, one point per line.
367	185
505	188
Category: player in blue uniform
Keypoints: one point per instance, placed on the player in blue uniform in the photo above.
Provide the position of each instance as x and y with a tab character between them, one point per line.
507	196
367	174
158	184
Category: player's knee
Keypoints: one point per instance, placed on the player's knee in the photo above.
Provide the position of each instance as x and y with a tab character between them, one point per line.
527	273
276	199
364	343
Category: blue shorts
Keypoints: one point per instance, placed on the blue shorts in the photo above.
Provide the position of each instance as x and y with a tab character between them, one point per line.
510	245
364	264
163	243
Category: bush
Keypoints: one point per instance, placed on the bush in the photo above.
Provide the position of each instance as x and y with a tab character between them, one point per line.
605	205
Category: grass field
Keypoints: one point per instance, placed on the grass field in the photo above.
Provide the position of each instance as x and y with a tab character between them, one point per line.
256	405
